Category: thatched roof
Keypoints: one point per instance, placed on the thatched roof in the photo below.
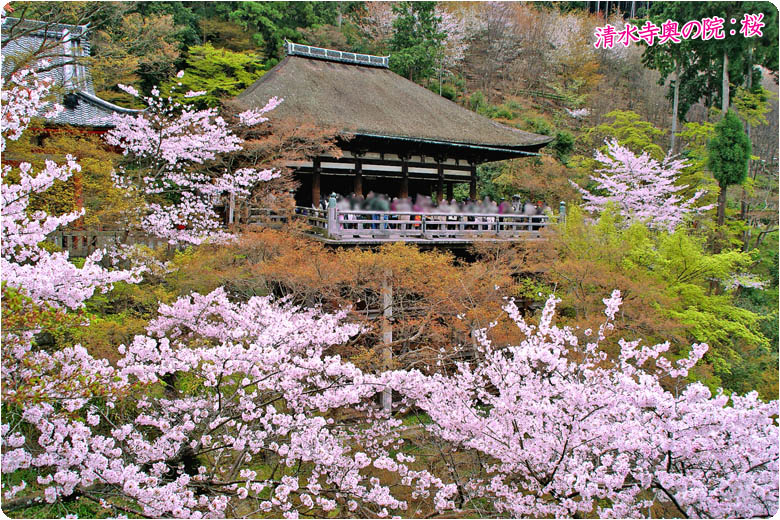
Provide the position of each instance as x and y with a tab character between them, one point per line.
375	102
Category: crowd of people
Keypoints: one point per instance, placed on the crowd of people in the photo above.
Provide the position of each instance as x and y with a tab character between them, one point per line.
403	214
425	204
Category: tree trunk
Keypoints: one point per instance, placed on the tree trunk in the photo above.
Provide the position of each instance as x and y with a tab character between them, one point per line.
387	337
676	107
725	87
743	214
722	205
441	70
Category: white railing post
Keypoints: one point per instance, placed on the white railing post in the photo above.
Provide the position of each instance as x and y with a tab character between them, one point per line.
333	222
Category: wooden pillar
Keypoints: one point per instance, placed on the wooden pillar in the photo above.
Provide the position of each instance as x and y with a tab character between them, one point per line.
315	183
473	182
387	336
404	178
450	195
358	177
440	188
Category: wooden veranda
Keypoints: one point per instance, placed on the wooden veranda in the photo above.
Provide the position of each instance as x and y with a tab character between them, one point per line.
351	227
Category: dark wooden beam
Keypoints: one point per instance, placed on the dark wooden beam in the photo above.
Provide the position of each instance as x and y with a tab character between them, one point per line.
328	172
358	177
395	162
473	182
315	183
408	146
404	178
450	195
440	188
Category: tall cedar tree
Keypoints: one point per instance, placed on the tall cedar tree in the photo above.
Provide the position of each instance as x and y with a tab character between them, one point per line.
729	154
417	43
697	64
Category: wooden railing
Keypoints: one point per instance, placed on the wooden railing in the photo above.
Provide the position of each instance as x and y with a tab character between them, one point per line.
266	216
361	226
83	243
550	95
350	226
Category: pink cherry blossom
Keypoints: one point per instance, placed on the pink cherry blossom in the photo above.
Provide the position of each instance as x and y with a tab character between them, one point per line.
642	188
179	426
563	431
46	277
170	148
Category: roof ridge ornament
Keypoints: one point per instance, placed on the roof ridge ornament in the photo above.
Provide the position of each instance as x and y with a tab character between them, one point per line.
308	51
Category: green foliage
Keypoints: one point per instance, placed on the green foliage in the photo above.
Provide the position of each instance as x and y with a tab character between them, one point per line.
630	131
20	313
417	43
449	91
185	18
532	289
701	61
514	106
676	275
696	137
713	318
477	101
486	186
569	92
219	72
270	23
539	125
752	105
563	145
92	188
729	151
696	175
498	112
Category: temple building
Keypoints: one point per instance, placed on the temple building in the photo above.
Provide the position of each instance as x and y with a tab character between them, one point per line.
65	47
397	137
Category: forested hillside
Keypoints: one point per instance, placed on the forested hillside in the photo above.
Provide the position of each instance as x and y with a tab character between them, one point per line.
625	364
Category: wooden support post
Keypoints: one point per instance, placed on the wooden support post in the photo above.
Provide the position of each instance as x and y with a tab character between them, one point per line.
473	182
404	178
440	189
315	183
358	177
387	337
450	195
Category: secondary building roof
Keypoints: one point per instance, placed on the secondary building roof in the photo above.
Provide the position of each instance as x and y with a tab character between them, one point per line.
64	47
359	95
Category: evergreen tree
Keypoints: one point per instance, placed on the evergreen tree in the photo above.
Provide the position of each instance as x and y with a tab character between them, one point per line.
697	64
274	22
729	152
417	43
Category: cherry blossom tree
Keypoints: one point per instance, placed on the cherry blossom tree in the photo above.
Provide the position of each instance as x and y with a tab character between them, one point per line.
642	188
564	431
168	148
46	277
225	408
258	388
173	429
